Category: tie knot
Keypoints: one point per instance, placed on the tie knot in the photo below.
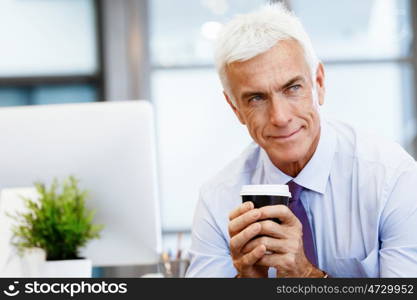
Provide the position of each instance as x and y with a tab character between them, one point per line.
295	190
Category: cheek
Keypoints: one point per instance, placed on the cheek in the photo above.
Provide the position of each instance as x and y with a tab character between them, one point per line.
313	121
309	113
314	118
256	123
255	129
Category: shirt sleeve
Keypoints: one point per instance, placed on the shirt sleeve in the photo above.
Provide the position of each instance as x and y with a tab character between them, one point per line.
398	238
209	252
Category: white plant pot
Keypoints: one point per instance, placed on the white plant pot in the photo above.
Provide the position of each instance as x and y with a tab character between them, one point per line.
32	262
67	268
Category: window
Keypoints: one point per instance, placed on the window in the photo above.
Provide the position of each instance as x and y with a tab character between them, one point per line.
368	62
50	52
369	74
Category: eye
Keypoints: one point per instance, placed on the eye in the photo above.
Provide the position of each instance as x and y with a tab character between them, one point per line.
294	88
255	98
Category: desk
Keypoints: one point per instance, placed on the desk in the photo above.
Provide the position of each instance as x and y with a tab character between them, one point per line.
179	268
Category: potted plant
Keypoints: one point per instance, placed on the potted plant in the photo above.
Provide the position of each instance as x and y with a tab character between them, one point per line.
60	224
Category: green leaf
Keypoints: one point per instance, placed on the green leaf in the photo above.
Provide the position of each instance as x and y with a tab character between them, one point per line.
59	222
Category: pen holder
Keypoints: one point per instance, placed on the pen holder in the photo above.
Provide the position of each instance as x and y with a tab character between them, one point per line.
174	268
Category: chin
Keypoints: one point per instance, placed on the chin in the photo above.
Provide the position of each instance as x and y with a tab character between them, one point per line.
285	156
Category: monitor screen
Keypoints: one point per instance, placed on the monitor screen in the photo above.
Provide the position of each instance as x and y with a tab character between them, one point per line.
110	148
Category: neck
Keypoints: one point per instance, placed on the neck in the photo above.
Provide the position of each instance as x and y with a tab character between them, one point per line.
294	168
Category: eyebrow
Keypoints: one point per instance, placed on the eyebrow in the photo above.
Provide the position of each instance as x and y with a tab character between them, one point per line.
292	81
286	85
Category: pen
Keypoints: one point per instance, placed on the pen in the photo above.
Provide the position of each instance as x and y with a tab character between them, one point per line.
167	264
179	240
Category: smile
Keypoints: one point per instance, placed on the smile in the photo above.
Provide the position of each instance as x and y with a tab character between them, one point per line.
286	137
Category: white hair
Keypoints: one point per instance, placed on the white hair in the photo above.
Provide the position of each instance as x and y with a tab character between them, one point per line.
249	35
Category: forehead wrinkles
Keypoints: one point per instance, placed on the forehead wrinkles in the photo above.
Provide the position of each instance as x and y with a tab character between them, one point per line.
282	62
263	79
253	75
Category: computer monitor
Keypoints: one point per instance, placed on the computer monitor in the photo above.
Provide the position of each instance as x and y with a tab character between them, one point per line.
11	202
110	148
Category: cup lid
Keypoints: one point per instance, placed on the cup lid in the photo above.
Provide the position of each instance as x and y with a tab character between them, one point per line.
266	190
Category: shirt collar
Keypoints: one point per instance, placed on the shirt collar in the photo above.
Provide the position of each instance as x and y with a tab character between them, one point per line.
315	174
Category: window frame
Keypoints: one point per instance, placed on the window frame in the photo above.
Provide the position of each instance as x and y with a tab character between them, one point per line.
96	79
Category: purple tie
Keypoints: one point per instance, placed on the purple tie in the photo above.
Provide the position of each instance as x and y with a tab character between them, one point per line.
297	208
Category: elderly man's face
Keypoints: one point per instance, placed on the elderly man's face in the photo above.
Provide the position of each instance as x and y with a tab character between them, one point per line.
275	99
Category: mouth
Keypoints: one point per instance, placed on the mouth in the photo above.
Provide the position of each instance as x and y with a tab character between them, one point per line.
286	136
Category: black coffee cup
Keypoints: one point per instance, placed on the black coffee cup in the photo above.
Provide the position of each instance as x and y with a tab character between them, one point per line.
266	194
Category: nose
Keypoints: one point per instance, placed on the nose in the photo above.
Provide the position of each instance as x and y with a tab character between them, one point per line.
279	112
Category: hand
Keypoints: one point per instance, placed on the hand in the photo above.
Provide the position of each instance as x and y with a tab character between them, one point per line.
242	228
284	241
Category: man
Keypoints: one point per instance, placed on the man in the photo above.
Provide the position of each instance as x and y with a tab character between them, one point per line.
357	208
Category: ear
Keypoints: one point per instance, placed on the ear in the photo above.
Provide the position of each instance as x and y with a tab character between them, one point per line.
320	83
234	108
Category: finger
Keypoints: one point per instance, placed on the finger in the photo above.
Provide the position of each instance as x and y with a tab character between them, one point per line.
240	239
248	247
241	209
273	229
282	212
271	244
248	260
279	261
241	222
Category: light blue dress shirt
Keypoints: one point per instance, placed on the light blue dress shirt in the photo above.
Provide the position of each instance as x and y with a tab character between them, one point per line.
360	197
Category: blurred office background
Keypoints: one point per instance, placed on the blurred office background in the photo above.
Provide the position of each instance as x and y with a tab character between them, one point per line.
60	51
